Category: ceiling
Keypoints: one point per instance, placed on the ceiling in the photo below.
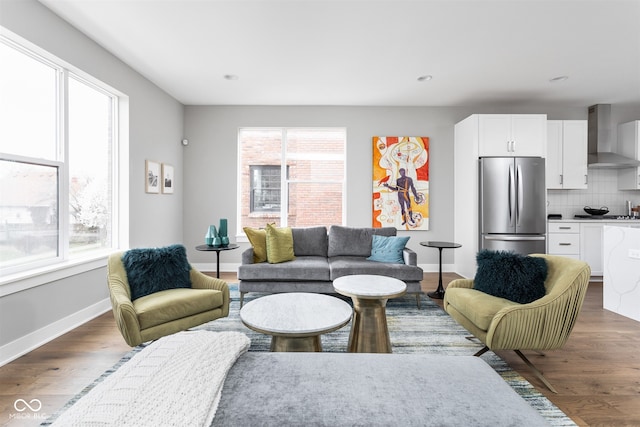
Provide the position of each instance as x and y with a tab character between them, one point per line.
371	53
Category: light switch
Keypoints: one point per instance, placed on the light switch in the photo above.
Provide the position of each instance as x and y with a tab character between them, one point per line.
634	253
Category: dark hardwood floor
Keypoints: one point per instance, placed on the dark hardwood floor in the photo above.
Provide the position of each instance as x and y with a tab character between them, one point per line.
597	373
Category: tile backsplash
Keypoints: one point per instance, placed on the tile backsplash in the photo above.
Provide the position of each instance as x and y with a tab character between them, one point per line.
602	191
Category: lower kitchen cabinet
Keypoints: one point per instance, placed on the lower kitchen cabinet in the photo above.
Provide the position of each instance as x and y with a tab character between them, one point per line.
591	242
582	240
564	239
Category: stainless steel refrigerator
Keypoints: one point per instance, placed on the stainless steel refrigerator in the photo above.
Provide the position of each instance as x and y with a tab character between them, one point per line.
513	204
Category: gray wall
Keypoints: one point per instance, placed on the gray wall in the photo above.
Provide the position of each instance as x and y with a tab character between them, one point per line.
211	159
156	128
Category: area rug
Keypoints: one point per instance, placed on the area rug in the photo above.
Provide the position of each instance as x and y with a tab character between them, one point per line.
412	330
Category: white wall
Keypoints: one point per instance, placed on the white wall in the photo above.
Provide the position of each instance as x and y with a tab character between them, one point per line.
156	128
211	157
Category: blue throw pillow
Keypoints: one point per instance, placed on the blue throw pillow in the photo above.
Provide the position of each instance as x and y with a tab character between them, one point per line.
516	277
388	249
151	270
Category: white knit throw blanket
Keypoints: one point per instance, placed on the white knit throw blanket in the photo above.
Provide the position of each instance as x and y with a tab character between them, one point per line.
174	381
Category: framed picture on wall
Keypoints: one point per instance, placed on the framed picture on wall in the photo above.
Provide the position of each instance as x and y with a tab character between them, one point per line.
167	179
401	182
152	177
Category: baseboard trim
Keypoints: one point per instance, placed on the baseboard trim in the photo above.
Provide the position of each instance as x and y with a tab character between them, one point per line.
35	339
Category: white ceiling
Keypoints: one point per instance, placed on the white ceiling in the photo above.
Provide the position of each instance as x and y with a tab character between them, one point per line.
357	52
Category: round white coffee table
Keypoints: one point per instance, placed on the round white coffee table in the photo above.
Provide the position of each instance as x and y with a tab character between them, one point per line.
369	331
296	320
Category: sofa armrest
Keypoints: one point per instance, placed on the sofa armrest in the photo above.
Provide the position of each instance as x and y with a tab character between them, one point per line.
200	280
409	256
247	256
461	283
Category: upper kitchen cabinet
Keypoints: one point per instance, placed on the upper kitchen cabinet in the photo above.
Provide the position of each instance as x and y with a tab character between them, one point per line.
566	154
512	135
629	146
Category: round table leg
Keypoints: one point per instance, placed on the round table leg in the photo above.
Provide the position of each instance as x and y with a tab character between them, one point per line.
306	344
438	293
369	331
218	264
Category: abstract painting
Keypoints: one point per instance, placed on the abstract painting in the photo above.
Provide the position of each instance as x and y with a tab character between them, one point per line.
401	182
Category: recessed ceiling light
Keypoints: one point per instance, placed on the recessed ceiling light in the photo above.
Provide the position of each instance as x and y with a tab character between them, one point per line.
425	78
558	79
230	77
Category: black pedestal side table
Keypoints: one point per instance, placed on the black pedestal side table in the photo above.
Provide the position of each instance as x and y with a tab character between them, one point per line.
217	249
439	293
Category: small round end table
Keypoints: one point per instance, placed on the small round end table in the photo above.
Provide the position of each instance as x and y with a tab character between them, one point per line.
439	293
217	249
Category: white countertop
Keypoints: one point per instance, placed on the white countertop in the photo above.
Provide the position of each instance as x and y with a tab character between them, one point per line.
597	221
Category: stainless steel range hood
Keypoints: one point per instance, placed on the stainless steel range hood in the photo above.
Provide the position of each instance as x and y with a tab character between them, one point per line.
600	141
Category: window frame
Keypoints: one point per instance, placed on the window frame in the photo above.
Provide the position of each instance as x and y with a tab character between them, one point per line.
25	276
286	181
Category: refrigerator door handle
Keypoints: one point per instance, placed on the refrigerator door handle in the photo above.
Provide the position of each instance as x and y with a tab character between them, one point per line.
513	238
519	180
512	196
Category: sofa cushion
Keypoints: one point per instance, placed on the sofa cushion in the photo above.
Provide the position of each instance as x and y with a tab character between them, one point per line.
151	270
509	275
478	307
258	239
279	244
388	249
172	304
303	268
310	241
347	265
354	241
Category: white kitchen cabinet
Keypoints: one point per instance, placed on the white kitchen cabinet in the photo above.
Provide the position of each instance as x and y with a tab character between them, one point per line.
511	135
629	146
591	248
564	239
566	166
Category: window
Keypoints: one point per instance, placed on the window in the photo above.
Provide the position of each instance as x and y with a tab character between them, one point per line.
308	163
265	188
57	146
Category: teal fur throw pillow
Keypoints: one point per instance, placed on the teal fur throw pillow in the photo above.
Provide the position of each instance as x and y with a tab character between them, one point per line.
151	270
388	249
505	274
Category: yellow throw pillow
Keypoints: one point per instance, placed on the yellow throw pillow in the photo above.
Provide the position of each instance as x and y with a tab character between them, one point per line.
258	239
279	244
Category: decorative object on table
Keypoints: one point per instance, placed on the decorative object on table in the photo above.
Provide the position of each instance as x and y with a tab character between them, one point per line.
212	238
222	232
401	182
167	179
439	292
152	177
596	212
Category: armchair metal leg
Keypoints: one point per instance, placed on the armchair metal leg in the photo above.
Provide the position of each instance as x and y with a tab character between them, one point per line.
481	352
536	371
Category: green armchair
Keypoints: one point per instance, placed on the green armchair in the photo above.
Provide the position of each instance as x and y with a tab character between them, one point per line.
166	312
544	324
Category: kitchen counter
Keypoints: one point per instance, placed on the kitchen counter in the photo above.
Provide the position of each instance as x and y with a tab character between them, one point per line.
621	288
597	221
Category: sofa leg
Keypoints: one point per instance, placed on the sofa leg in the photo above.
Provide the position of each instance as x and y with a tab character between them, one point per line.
241	298
418	301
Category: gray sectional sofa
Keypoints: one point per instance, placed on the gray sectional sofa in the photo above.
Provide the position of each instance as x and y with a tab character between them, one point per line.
321	257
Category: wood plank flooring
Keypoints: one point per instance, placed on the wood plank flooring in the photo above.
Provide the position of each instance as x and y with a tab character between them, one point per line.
597	373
